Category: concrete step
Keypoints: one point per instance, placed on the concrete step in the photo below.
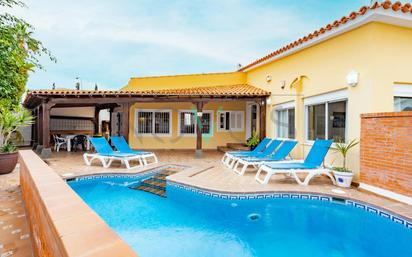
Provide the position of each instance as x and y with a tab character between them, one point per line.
224	149
155	183
238	147
152	190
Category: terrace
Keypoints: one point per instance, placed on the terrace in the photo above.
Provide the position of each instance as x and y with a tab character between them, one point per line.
207	173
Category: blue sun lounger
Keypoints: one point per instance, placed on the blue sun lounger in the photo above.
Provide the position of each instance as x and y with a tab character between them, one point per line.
312	165
123	147
281	154
269	150
227	157
106	155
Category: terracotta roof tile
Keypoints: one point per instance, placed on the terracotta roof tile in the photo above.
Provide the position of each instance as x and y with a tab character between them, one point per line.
231	90
396	6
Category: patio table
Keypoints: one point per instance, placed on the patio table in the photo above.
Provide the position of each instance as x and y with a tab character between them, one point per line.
69	142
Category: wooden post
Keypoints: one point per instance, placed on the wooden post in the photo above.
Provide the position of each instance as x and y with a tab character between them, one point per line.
46	151
110	121
262	118
96	119
199	107
46	124
34	132
39	126
125	121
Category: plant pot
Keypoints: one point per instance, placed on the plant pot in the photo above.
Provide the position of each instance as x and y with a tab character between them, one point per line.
343	179
8	162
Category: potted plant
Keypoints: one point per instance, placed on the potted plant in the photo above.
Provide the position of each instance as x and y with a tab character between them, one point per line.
253	141
10	121
342	174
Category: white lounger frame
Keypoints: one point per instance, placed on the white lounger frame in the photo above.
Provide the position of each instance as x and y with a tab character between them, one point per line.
255	164
245	164
230	160
107	160
147	156
293	173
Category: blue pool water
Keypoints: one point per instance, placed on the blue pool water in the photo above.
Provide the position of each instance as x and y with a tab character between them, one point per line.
188	224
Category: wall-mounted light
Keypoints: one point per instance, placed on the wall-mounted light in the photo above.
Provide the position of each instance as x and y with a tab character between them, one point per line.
268	78
282	84
269	101
199	114
352	79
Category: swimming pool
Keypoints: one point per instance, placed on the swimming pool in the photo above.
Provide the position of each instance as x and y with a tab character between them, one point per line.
192	222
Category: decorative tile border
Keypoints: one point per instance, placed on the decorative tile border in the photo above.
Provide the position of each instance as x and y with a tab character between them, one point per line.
248	196
251	196
124	175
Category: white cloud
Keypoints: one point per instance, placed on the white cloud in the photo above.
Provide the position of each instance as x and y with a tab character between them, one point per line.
87	36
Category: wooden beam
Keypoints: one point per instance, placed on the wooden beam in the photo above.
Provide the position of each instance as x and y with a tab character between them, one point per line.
34	128
125	121
96	119
199	108
39	125
110	121
262	118
69	101
46	124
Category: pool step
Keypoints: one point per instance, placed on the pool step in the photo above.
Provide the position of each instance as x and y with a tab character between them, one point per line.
152	190
156	184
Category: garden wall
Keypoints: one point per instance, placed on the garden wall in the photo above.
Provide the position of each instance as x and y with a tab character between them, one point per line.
61	223
386	152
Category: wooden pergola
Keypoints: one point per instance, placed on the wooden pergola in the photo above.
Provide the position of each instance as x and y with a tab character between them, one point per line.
40	102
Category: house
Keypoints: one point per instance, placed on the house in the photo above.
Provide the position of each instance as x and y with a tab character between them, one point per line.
314	87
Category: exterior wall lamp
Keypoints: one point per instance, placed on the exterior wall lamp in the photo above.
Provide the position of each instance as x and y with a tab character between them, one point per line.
352	79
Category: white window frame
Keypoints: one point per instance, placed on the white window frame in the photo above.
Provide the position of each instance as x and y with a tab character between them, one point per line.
194	134
230	129
281	107
333	97
153	111
401	90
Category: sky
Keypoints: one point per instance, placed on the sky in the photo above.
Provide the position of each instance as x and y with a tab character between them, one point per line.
105	42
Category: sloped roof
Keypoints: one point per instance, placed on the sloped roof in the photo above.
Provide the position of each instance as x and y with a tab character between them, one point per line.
386	5
241	90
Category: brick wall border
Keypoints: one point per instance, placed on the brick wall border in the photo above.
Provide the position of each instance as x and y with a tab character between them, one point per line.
60	222
386	154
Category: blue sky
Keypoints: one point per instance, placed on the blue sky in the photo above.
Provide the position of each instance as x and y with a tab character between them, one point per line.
107	42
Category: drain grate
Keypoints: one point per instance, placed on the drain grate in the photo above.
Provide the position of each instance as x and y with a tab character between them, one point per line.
253	216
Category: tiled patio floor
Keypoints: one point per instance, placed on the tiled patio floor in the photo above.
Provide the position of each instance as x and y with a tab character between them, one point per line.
219	178
14	230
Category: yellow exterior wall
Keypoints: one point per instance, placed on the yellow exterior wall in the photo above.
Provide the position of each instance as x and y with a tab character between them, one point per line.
379	52
185	142
186	81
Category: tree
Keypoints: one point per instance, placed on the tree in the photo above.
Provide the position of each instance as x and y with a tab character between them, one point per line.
19	53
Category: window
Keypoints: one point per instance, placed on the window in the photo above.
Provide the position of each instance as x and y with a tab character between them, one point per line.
153	122
285	123
403	104
231	120
187	122
327	120
402	97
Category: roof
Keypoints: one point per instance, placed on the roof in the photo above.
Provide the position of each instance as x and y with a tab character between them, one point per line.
186	81
231	90
396	7
240	90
